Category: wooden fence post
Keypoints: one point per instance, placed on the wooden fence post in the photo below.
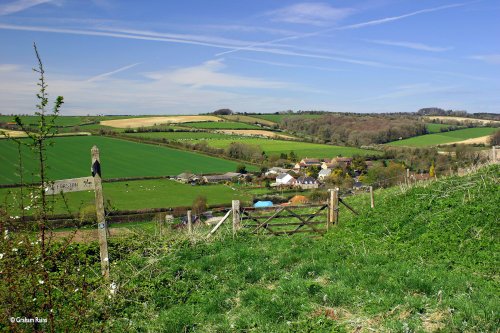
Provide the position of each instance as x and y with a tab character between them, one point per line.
372	203
190	223
493	154
102	228
236	216
333	207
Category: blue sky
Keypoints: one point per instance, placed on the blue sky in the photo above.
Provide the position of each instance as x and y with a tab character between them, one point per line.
186	57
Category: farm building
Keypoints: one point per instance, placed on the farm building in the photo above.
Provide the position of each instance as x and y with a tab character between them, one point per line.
227	177
324	173
327	165
307	162
275	171
306	183
285	179
186	177
343	162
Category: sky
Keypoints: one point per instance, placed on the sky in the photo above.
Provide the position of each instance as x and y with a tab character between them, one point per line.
197	56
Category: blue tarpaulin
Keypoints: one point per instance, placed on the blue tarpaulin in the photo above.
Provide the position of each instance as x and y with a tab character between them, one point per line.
262	204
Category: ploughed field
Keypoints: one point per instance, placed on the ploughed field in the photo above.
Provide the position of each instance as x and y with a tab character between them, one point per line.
445	137
69	157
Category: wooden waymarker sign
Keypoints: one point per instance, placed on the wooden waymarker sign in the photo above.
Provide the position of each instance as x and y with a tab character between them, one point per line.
70	185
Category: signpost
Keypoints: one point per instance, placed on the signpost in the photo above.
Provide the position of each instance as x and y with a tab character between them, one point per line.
87	184
70	185
99	206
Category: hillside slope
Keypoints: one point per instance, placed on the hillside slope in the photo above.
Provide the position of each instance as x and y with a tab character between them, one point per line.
423	260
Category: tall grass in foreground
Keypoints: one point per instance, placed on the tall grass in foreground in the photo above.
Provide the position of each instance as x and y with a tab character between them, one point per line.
425	259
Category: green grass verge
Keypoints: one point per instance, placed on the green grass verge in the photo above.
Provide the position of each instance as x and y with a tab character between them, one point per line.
446	137
69	157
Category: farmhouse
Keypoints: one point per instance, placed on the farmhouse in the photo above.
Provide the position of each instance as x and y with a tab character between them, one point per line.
324	173
285	179
306	183
343	162
327	165
307	162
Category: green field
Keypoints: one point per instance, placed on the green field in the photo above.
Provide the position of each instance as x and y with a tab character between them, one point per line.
69	157
248	119
141	194
446	137
221	125
301	149
182	135
60	121
435	128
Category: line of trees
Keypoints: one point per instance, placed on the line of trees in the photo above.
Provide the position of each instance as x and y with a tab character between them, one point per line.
355	130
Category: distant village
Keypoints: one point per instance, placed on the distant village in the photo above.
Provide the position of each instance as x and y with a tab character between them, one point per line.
308	173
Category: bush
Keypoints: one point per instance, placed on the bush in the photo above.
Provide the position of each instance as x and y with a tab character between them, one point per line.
87	214
199	205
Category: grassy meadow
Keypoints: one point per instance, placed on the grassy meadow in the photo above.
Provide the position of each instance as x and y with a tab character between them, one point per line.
248	119
139	194
435	128
424	260
301	149
445	137
69	157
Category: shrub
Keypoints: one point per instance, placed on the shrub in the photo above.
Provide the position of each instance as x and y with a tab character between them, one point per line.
87	214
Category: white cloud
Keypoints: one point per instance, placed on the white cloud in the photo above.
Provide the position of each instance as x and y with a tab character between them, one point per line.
9	68
314	13
488	58
188	90
20	5
411	45
209	74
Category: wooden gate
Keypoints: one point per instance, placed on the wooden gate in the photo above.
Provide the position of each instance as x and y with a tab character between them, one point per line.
286	220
